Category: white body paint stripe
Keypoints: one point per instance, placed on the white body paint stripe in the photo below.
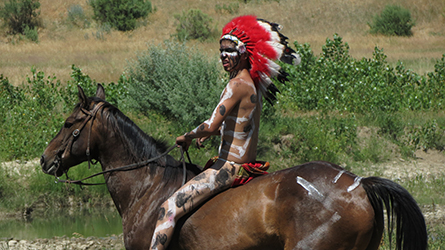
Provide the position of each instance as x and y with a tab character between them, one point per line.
238	120
311	189
338	176
355	184
228	94
237	135
169	223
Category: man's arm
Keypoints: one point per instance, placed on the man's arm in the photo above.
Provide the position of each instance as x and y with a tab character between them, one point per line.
232	95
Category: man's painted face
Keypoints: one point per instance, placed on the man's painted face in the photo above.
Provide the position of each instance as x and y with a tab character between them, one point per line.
229	55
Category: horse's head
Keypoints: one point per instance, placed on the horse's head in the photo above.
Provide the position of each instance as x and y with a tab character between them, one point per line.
74	143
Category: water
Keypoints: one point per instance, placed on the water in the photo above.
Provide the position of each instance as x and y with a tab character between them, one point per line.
98	222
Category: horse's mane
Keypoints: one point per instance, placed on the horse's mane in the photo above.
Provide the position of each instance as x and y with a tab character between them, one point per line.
139	145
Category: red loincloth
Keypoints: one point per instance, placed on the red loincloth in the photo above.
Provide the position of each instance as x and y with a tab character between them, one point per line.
250	170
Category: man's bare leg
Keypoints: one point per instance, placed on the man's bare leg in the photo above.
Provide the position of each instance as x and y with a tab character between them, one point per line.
193	193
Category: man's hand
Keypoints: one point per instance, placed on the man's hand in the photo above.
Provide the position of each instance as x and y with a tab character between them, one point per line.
199	141
184	142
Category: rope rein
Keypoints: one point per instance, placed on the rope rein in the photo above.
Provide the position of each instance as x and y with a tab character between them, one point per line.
129	167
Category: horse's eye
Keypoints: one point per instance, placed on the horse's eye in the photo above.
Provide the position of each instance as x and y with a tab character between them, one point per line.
68	124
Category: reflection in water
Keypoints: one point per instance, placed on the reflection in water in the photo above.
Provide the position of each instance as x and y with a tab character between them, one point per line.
98	222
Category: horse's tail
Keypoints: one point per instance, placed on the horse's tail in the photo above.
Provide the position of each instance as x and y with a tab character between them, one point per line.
410	225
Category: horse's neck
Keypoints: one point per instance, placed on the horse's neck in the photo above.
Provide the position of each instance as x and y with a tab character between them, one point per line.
146	184
127	188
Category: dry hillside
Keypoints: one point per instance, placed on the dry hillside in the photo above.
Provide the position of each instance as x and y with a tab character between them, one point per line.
304	21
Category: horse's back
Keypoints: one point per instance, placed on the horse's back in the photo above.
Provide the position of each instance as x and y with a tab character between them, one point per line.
303	207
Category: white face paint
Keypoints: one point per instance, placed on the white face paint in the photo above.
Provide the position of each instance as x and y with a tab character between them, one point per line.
231	54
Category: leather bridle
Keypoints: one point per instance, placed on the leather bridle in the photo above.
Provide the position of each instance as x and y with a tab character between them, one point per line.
91	115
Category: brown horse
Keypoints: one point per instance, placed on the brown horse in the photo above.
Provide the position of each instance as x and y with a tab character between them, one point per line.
317	205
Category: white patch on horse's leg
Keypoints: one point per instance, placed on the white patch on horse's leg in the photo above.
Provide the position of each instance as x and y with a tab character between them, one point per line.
310	241
311	189
338	176
355	184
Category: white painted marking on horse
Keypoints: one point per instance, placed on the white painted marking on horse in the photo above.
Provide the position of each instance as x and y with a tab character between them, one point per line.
310	241
310	188
338	176
355	184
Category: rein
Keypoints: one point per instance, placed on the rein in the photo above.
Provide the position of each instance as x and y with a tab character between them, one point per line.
123	168
76	133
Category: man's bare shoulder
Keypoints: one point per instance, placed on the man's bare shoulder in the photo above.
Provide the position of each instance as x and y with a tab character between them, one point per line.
241	84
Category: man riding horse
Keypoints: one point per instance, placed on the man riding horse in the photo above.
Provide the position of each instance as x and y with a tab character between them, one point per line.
248	48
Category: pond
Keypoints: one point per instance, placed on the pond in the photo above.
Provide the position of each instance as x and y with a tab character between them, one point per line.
97	222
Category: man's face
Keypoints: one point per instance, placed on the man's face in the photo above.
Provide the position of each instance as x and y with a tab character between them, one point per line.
229	55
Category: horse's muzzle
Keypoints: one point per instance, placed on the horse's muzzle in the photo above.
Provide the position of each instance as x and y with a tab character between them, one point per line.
51	167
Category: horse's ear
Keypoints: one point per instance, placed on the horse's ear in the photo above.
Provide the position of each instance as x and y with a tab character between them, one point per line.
100	92
82	96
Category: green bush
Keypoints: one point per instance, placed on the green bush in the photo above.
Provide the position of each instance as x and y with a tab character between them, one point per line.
21	17
76	16
31	34
31	115
336	81
179	83
428	136
193	24
302	139
120	14
393	21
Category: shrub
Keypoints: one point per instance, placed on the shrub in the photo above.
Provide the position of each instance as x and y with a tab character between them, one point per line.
302	139
394	20
231	8
336	81
76	16
193	24
120	14
31	34
179	83
21	17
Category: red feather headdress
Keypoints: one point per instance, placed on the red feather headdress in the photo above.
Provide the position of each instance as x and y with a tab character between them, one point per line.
265	44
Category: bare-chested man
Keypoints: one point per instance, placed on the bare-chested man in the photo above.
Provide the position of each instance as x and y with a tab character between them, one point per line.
236	118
